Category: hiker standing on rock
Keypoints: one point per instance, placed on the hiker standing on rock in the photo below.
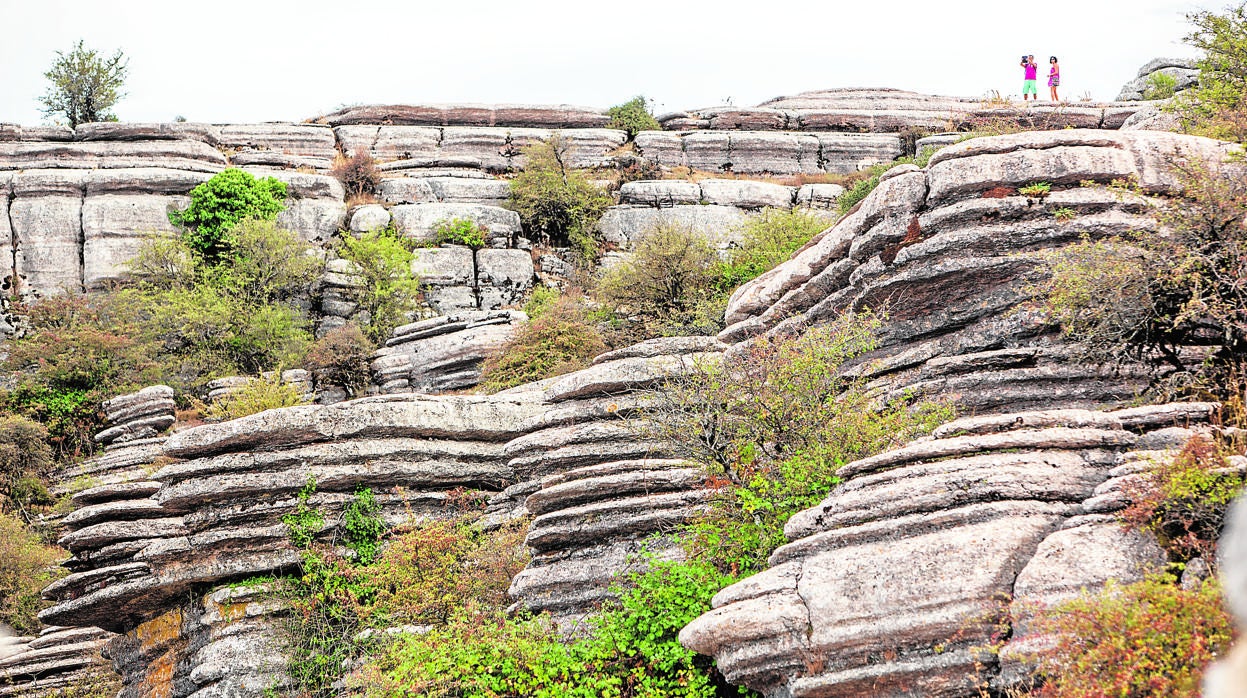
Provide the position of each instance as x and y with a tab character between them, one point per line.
1054	78
1029	86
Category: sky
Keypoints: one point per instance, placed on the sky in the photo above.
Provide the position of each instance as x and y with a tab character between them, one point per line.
226	61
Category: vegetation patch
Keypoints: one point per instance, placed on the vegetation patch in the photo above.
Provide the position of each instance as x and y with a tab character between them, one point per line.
460	231
558	205
388	294
221	203
633	116
559	340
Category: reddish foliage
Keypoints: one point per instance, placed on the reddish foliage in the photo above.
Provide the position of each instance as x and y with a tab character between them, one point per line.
998	193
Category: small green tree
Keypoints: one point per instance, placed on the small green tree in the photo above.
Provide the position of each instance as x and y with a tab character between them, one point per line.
220	203
85	85
633	116
1217	105
664	284
557	204
766	241
389	293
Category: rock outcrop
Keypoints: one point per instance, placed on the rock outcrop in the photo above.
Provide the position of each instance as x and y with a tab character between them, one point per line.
1184	73
895	583
60	661
442	353
950	253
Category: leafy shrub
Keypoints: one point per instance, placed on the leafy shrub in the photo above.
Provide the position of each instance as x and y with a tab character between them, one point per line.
772	428
1184	500
306	521
460	231
559	340
542	299
1064	214
357	173
342	358
259	394
855	193
1160	86
363	526
664	282
1036	189
239	313
76	352
26	567
767	241
631	650
633	116
1150	638
1217	105
24	452
220	203
389	293
85	85
557	204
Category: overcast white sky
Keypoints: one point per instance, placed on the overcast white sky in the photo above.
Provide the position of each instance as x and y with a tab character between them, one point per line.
270	60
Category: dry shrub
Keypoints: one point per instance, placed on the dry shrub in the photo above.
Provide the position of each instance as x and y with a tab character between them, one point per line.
560	341
357	173
260	394
1150	638
342	358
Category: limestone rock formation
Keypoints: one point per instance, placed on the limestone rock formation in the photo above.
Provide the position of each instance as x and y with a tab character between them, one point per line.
893	584
952	263
1183	71
59	661
442	353
561	116
140	415
761	152
488	148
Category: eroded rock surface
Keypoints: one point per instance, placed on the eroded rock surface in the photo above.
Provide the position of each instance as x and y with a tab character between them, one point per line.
891	585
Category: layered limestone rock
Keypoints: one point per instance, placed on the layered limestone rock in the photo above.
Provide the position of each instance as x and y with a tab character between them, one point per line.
221	490
773	153
597	483
492	149
546	116
882	110
442	353
140	415
953	254
894	583
60	661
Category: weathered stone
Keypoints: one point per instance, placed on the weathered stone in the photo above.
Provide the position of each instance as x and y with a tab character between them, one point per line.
660	193
560	116
451	265
624	225
406	190
368	218
419	221
503	277
743	193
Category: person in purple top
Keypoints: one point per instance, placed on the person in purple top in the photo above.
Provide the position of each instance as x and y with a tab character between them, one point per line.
1029	85
1054	77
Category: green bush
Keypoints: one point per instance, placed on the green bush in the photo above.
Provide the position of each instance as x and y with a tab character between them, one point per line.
558	341
1217	105
633	116
389	294
26	567
855	193
557	204
542	299
363	526
342	358
460	231
772	427
220	203
767	241
1036	189
1160	86
237	314
259	394
1183	501
1150	638
664	283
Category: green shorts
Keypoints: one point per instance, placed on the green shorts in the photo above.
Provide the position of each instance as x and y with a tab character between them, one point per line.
1029	87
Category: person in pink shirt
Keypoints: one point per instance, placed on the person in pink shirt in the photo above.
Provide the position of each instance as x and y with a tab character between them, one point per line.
1029	85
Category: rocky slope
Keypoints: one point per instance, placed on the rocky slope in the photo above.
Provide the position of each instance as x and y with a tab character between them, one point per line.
950	251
